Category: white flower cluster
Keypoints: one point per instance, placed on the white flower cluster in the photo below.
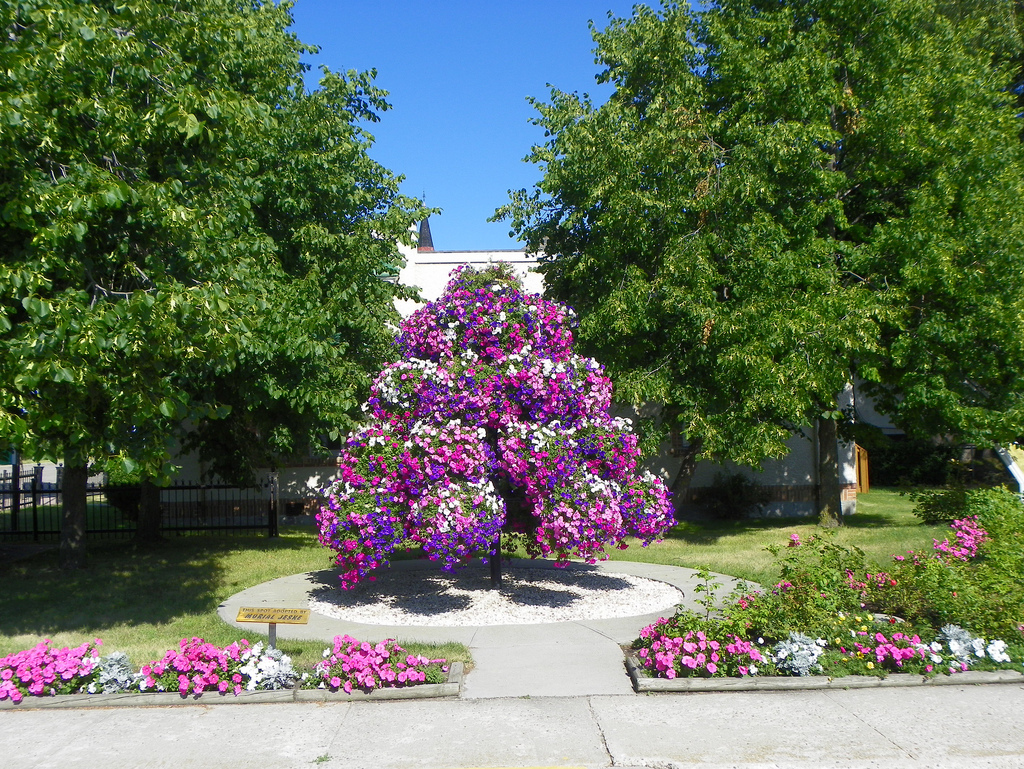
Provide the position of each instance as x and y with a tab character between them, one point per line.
799	654
388	384
272	670
966	647
116	674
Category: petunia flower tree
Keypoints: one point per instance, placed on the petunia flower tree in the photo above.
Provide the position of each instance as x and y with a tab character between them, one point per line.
490	423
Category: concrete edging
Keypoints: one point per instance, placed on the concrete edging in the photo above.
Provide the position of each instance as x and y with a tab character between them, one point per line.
451	688
642	683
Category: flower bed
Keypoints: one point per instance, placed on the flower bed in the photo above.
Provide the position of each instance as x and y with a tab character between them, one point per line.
197	667
830	617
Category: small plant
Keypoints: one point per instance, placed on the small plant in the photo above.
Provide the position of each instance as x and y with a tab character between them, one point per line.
43	671
798	655
266	670
115	675
706	590
666	651
195	667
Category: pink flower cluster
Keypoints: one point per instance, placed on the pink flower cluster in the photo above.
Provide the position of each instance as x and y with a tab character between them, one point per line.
695	654
890	653
969	536
195	667
43	670
871	580
489	396
352	664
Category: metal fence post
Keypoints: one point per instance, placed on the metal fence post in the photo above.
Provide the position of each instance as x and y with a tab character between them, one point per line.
37	477
272	511
15	491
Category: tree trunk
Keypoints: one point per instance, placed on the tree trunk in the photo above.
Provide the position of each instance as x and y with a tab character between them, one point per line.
830	502
147	529
72	533
687	466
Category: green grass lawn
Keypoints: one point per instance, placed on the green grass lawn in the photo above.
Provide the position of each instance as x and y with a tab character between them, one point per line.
143	600
883	526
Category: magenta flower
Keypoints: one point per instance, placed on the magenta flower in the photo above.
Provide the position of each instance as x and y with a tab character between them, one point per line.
489	397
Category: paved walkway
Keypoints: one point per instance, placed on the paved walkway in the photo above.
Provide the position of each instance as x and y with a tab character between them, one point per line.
919	728
555	659
541	696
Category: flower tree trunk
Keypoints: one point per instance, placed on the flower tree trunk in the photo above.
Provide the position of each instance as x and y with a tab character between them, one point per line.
502	486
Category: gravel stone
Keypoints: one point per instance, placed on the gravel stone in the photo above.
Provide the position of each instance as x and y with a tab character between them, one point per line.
434	598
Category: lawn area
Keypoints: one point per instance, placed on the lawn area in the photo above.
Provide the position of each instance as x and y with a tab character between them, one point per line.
883	526
143	600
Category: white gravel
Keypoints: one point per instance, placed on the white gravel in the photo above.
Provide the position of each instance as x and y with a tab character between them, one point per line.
430	597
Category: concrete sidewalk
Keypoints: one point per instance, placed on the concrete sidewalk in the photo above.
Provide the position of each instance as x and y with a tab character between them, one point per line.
957	727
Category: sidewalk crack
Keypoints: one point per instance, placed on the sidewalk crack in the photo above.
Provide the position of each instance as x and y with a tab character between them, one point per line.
600	731
829	695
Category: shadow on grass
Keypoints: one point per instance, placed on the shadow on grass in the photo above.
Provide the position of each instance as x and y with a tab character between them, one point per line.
122	583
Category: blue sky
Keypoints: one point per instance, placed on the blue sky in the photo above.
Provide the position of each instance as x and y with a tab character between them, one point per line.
458	74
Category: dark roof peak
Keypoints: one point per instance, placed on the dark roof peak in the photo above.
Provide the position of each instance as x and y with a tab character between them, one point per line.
425	242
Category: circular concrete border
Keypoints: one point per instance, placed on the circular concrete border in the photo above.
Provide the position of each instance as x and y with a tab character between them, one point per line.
293	592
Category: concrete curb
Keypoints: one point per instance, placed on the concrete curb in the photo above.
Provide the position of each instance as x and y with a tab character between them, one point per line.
451	688
642	683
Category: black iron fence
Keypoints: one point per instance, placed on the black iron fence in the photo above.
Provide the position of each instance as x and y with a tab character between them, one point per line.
30	510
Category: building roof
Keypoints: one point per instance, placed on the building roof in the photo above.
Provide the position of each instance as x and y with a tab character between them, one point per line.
425	242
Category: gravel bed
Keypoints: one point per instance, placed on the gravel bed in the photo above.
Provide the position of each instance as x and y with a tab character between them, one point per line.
428	597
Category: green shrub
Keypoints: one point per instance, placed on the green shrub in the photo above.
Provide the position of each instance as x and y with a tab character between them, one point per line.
940	505
902	461
1000	569
813	586
123	491
732	497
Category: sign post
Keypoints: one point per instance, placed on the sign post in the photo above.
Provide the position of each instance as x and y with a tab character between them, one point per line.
272	617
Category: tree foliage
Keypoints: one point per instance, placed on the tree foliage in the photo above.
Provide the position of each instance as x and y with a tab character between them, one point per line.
490	422
186	232
176	205
781	197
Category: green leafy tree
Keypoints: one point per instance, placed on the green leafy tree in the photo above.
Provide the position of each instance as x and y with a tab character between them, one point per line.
186	233
779	197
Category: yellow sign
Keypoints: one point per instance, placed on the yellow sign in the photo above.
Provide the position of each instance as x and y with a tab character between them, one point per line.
277	616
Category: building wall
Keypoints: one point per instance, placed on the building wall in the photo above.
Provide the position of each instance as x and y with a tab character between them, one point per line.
429	271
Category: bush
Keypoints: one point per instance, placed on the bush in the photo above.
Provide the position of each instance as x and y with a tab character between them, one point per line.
1000	569
123	491
940	506
902	461
733	497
